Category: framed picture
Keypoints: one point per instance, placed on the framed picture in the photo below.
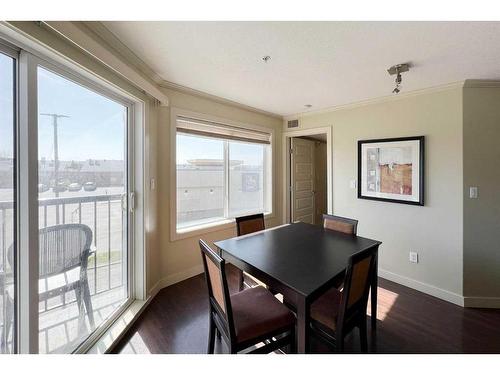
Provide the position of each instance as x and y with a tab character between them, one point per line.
392	170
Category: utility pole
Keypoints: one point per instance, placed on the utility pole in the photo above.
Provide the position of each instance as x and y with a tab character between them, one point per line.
55	117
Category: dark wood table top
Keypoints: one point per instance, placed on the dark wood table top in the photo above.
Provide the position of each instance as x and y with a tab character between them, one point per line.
302	256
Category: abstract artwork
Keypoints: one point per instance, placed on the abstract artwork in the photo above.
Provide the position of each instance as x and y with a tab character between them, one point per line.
392	170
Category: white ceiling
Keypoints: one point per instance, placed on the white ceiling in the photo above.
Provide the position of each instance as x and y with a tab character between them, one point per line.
325	64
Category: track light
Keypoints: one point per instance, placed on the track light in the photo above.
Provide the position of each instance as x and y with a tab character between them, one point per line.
398	69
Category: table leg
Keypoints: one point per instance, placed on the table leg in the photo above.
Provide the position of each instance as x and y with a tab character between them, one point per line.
374	297
302	334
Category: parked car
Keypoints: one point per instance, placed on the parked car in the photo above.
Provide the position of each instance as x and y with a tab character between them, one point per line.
42	188
60	187
89	186
75	186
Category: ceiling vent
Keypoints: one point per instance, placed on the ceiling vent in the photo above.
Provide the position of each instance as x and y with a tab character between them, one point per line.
292	124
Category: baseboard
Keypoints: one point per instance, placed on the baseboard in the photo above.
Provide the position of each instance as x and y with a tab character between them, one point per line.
178	277
423	287
482	302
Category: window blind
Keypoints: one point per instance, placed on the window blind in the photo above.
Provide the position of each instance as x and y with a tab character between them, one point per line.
217	130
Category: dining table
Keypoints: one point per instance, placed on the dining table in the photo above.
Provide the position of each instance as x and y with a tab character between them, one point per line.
300	261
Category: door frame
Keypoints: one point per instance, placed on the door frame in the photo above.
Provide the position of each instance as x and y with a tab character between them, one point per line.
287	135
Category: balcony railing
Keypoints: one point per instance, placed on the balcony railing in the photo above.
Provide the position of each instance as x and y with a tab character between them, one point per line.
107	268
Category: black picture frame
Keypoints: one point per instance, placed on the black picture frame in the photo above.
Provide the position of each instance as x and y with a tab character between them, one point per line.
421	172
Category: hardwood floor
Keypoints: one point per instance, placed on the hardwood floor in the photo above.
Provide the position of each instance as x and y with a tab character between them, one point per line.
176	321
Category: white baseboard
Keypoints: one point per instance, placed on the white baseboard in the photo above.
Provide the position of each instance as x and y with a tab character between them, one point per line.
423	287
482	302
175	278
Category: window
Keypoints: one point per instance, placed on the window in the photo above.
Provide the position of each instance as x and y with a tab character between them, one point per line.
222	172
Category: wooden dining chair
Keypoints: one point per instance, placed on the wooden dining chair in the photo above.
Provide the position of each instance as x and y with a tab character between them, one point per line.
340	224
246	225
246	318
336	313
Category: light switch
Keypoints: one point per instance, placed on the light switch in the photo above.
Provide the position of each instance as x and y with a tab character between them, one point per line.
352	184
473	192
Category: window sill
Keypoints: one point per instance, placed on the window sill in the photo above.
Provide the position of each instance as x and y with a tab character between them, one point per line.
117	330
195	231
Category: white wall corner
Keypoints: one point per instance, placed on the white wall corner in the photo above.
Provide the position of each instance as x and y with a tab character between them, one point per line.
176	278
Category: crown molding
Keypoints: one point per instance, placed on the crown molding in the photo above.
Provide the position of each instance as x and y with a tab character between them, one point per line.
80	35
481	83
383	99
110	39
215	98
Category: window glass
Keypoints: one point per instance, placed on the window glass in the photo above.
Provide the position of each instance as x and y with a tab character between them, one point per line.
7	206
200	180
82	171
246	178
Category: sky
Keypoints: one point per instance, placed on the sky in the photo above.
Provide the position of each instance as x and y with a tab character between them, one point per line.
6	106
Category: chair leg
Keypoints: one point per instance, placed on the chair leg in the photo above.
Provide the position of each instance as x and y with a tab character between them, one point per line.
211	336
88	304
81	309
241	284
339	342
363	336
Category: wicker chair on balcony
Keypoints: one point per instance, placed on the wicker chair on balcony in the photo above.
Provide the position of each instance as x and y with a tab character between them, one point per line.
64	251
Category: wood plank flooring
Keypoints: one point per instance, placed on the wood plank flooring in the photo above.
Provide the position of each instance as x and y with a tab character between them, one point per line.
176	321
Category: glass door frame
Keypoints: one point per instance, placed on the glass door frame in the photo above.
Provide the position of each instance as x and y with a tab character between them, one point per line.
8	50
27	314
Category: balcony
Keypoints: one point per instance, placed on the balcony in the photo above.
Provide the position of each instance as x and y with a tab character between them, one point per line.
59	328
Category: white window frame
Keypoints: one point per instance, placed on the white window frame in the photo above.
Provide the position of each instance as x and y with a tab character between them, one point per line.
215	226
32	55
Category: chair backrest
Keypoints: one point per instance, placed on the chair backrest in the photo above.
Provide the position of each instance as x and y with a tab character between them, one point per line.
359	275
340	224
250	224
218	291
61	248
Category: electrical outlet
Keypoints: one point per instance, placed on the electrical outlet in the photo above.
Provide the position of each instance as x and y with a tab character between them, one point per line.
473	192
413	257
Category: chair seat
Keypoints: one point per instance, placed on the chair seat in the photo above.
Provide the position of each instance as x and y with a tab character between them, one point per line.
256	312
326	308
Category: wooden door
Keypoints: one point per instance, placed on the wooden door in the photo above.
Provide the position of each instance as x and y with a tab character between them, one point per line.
302	180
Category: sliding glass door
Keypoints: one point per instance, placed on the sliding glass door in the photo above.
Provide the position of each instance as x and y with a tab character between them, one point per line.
7	201
65	219
83	220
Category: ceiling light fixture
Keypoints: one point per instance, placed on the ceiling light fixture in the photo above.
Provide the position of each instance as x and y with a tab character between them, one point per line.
398	69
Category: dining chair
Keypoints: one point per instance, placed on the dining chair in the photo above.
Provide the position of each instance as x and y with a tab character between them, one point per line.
246	318
336	313
246	225
340	224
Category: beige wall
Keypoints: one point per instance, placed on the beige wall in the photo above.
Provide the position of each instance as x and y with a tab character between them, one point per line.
482	215
181	258
435	230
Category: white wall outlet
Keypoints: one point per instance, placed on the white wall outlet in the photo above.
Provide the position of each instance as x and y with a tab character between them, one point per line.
473	192
413	257
352	184
152	184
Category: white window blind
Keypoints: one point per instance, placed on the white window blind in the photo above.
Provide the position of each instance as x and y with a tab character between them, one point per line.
221	131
